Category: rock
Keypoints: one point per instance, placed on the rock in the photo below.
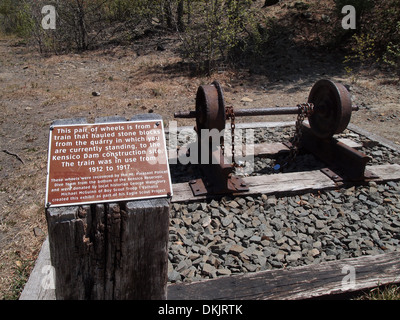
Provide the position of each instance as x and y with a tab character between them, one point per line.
192	207
226	221
256	239
276	264
310	230
224	272
95	93
250	267
246	99
313	252
294	256
233	204
281	240
38	232
224	211
271	201
205	221
317	244
196	217
214	204
208	270
327	19
319	224
353	245
174	276
367	224
280	256
362	197
236	249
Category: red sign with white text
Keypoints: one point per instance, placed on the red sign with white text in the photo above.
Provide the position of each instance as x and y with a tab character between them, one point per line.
94	163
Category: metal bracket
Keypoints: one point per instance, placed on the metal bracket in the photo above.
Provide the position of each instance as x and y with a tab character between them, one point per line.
332	175
201	187
336	155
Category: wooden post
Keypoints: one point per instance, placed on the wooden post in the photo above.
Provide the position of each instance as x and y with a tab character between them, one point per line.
113	250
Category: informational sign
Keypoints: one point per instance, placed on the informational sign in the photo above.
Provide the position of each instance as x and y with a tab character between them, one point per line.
94	163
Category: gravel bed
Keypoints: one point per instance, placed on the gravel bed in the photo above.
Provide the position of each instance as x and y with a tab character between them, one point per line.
234	235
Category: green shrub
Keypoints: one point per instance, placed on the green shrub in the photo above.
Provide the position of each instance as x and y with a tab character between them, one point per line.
15	18
392	54
217	27
377	37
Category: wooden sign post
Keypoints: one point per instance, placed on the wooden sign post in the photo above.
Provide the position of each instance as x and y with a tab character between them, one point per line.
108	208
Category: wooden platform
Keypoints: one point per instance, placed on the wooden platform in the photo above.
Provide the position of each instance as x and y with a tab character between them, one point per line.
305	282
289	183
296	283
294	182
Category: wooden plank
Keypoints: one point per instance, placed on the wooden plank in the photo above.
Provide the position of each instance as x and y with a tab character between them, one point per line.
385	172
374	137
267	184
144	261
303	282
287	183
350	143
127	269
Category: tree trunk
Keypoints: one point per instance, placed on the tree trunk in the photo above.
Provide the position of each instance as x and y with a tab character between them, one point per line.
179	11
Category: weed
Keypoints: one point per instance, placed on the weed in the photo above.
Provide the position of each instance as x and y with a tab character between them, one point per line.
391	292
362	55
20	276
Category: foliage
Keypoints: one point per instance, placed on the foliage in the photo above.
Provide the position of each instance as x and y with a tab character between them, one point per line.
212	32
377	37
15	18
392	55
361	6
220	27
362	52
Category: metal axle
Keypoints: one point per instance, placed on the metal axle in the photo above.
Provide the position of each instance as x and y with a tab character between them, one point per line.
249	112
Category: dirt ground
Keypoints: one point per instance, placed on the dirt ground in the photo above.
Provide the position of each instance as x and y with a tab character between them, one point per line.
35	90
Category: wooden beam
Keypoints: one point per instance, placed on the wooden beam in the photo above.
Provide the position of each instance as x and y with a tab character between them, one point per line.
305	282
374	137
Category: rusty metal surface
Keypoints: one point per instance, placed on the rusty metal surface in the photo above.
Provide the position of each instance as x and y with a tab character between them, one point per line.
337	155
252	112
332	175
328	109
210	108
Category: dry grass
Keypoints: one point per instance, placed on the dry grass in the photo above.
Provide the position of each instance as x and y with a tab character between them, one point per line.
390	292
